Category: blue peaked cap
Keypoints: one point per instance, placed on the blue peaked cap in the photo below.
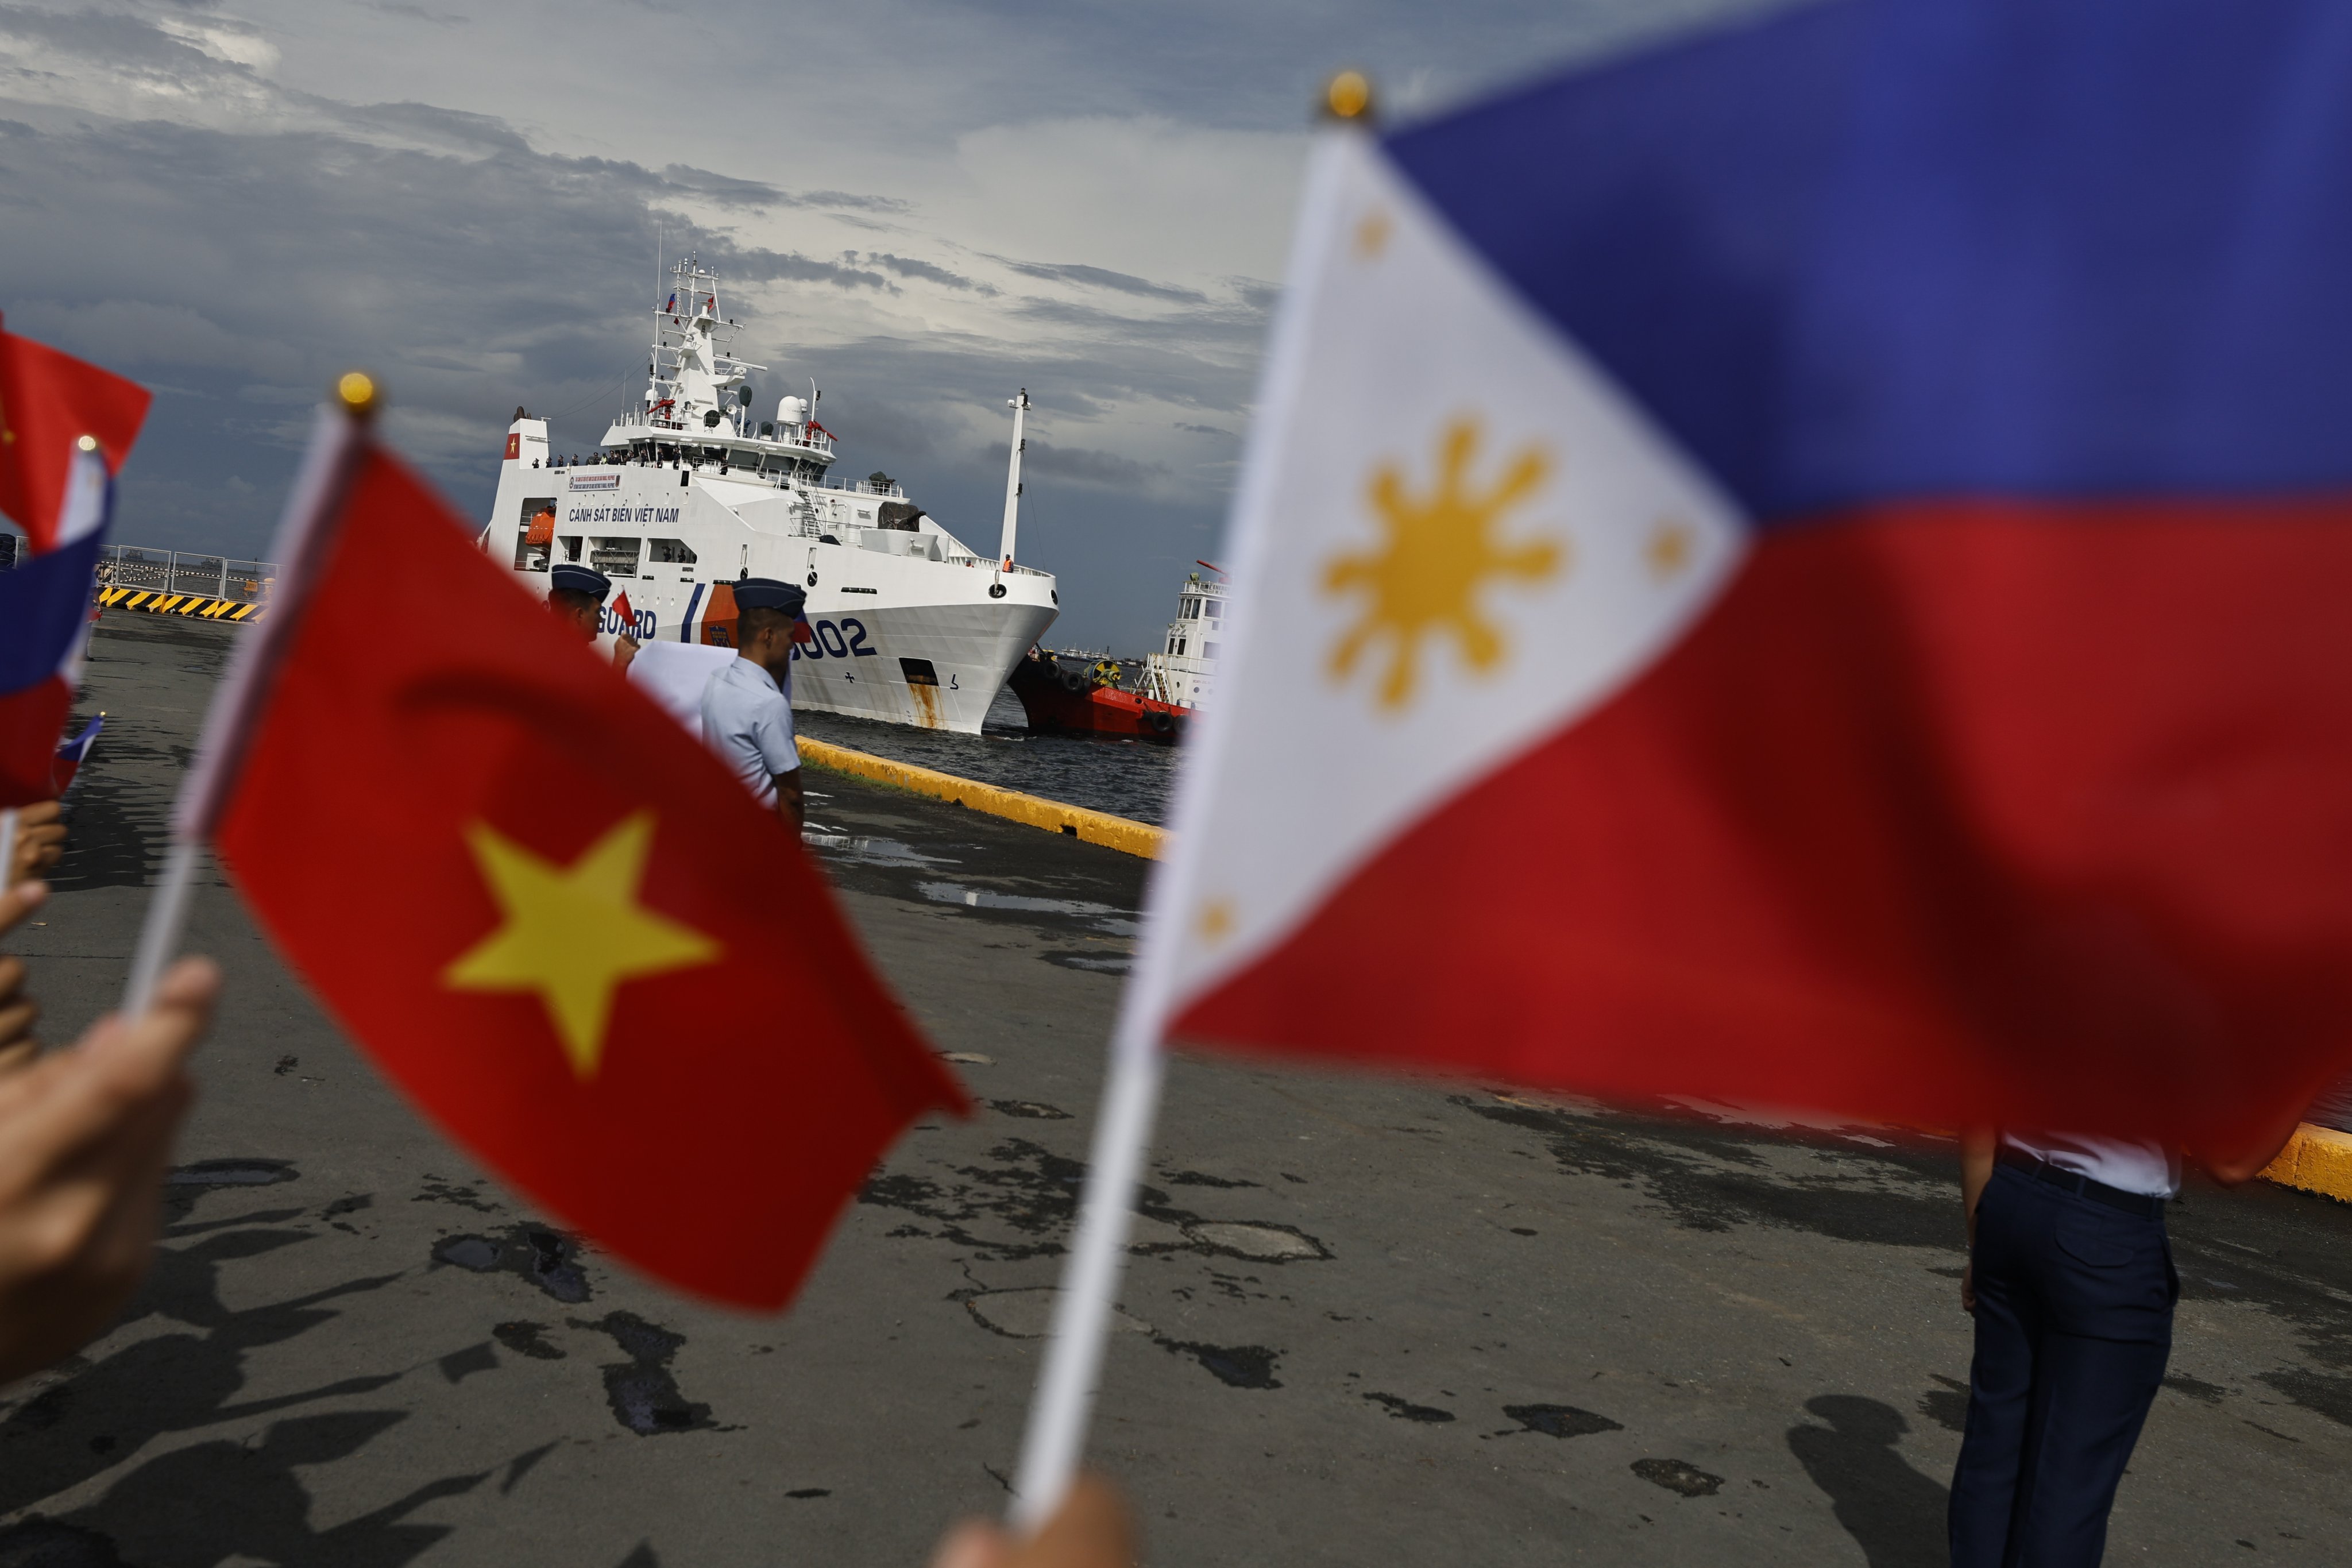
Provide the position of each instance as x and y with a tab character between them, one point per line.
768	594
576	579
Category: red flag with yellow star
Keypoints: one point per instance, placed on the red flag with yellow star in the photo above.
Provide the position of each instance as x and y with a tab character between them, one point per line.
619	983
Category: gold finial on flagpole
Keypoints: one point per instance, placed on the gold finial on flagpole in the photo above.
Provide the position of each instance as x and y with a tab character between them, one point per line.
88	443
1348	96
356	391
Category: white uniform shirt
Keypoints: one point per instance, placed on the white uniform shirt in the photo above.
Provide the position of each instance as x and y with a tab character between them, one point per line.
2128	1164
749	722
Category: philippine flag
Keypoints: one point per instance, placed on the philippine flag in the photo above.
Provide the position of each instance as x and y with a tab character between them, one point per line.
44	609
67	765
1809	567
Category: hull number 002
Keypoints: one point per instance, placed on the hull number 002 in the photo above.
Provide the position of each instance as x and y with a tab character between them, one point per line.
846	640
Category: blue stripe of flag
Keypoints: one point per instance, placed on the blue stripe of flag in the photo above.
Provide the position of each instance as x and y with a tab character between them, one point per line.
1887	249
44	605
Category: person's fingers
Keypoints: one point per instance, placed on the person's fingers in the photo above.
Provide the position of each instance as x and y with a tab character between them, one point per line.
37	848
40	814
73	1099
123	1238
976	1544
22	899
1091	1530
18	1014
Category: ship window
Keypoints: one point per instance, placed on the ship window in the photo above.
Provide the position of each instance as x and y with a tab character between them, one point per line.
571	543
1208	650
1179	646
671	549
614	557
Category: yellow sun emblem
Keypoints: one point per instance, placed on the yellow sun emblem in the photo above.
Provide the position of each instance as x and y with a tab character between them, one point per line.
1435	556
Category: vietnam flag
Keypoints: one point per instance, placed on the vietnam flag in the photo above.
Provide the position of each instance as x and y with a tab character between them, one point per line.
1810	566
621	986
49	402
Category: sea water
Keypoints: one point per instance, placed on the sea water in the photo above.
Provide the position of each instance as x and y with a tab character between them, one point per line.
1125	778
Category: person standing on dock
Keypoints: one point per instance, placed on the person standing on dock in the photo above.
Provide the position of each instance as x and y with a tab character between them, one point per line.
747	710
575	595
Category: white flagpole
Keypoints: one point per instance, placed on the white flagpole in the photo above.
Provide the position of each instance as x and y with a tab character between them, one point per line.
8	847
301	548
1059	1414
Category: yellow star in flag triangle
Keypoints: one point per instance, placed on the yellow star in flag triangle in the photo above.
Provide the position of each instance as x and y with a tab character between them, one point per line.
1669	549
1217	921
573	933
1438	554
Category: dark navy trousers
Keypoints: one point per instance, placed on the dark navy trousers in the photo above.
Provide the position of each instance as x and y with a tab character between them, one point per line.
2074	1326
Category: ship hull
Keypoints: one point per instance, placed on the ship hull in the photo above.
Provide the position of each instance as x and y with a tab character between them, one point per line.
1057	700
911	628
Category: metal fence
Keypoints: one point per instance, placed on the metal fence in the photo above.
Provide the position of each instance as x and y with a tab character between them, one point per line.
183	572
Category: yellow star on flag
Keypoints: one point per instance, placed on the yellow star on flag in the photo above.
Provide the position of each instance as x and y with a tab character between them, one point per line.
573	933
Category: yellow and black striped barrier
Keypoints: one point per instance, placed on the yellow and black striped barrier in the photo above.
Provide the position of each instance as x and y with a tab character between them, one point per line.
199	606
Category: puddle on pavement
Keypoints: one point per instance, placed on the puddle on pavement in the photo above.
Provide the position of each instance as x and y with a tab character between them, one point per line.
1677	1476
1034	1111
1238	1367
1259	1243
644	1398
868	851
1406	1410
1560	1420
548	1259
1093	962
231	1173
1107	918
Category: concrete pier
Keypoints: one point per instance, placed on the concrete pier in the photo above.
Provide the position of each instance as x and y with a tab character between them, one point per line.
1367	1321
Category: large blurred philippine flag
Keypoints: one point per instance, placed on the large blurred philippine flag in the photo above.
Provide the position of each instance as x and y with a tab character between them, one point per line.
1811	566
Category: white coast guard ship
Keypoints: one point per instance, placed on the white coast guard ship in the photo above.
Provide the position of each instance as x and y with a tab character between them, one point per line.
689	492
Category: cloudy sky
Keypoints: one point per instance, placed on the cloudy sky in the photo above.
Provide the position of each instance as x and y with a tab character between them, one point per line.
922	205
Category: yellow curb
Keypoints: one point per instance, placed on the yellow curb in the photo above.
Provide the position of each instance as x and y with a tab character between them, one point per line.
2317	1160
1094	826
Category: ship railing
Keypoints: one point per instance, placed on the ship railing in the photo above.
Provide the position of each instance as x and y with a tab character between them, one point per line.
189	571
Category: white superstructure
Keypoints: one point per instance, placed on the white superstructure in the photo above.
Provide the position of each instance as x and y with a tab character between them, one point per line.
687	492
1184	670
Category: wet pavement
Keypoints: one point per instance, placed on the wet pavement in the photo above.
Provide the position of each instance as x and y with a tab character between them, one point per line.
1367	1321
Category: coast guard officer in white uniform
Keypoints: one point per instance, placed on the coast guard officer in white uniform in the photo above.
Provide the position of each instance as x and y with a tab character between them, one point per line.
747	710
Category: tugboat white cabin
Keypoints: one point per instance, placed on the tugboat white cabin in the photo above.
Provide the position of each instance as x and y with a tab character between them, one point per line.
689	492
1184	669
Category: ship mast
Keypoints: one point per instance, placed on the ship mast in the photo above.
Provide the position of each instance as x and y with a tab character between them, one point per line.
1020	406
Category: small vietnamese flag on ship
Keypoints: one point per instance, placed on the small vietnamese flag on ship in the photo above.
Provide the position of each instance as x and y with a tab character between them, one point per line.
623	987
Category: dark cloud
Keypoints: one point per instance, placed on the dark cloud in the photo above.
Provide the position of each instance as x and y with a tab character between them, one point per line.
905	267
1101	278
1205	430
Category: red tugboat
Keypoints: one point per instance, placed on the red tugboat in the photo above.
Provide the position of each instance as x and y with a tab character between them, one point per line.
1079	693
1089	693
